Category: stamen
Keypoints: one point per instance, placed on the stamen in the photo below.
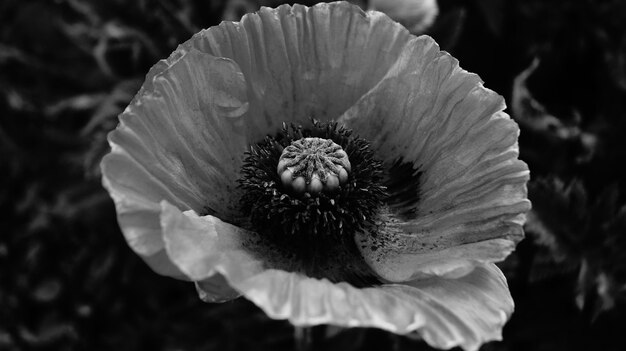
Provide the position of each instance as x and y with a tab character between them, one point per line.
303	194
313	165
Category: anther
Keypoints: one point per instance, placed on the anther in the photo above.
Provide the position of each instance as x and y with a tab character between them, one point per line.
313	165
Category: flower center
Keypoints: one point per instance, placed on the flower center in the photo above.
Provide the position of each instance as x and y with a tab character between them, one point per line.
303	194
313	165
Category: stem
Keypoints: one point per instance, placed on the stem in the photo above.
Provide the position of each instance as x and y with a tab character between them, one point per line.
304	338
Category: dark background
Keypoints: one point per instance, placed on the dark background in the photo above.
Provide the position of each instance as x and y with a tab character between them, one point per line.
68	281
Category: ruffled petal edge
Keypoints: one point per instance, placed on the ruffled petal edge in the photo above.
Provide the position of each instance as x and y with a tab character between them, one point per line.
465	312
430	113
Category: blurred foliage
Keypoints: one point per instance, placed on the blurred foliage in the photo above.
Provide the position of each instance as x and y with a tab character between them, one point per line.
68	281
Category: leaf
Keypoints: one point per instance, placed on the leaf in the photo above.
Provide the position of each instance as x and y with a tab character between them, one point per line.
583	233
559	215
550	142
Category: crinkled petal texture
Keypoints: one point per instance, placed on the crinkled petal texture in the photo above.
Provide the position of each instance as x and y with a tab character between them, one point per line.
429	112
177	153
445	312
183	137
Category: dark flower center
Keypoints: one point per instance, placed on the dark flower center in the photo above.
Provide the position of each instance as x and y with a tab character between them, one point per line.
308	191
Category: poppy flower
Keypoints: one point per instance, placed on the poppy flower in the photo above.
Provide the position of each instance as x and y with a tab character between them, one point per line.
329	166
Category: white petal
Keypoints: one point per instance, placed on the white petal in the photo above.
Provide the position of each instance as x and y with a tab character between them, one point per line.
207	250
429	112
445	312
463	312
302	63
203	246
180	140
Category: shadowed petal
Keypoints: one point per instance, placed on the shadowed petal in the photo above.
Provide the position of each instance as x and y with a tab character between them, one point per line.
415	15
429	112
215	289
